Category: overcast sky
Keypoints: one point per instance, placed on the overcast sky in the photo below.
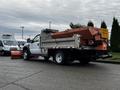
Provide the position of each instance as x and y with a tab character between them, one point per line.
35	15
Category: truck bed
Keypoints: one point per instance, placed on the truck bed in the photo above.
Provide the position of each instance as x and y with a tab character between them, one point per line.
70	42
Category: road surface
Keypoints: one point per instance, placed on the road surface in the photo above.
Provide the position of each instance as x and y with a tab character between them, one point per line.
18	74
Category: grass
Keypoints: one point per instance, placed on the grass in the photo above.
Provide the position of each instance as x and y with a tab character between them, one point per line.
115	55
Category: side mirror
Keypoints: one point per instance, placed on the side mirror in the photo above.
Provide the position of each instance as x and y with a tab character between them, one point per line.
29	41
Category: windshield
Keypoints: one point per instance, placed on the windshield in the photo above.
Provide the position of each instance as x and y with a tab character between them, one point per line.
21	42
10	43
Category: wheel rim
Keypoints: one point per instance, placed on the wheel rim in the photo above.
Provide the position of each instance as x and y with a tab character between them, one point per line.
25	55
59	58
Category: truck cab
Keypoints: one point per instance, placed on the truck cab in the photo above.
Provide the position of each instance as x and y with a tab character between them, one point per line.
34	48
35	45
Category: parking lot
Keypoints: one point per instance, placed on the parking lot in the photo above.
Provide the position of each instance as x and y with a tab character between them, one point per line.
18	74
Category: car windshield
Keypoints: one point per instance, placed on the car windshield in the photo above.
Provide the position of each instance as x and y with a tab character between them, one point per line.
21	42
10	43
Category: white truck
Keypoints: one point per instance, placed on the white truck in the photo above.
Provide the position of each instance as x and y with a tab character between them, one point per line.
64	50
7	43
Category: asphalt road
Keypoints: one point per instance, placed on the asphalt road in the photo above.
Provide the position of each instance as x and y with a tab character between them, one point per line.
40	75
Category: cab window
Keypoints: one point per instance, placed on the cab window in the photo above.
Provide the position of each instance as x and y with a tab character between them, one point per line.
36	39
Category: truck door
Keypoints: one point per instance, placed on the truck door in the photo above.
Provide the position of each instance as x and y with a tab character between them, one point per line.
35	45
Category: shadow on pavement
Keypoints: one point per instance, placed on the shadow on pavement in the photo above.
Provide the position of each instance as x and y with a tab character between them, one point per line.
74	64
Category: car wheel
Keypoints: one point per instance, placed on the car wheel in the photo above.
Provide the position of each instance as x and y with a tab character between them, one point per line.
2	53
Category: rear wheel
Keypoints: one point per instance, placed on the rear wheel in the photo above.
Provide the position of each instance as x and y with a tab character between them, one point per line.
2	53
26	55
59	58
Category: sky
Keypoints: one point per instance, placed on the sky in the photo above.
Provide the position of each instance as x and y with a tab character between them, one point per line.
35	15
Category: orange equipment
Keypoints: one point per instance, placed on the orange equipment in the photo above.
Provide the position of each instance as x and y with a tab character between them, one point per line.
85	32
88	35
17	54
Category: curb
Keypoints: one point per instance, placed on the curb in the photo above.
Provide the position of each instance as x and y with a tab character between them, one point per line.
108	61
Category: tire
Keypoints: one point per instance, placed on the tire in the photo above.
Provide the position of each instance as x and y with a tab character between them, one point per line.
69	59
59	58
2	53
26	55
46	58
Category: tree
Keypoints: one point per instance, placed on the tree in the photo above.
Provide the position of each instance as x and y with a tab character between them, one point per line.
90	23
103	24
75	25
115	36
71	25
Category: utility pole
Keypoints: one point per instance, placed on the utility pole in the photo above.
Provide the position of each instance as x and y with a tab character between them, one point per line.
22	27
50	24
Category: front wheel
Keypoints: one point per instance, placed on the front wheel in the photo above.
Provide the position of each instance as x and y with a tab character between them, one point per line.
46	58
26	55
